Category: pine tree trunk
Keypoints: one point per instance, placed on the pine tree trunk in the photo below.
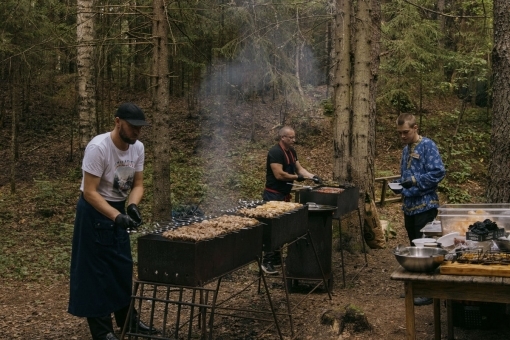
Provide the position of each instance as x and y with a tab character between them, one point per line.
362	120
498	185
86	84
14	130
375	49
342	167
161	208
355	94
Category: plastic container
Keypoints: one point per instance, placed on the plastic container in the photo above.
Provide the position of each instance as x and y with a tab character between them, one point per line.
475	206
432	229
420	242
458	217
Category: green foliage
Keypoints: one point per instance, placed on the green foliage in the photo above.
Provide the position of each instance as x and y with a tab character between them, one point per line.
454	193
327	107
383	173
45	257
398	99
186	173
421	60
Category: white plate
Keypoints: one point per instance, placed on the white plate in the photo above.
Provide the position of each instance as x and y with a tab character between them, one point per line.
396	187
448	239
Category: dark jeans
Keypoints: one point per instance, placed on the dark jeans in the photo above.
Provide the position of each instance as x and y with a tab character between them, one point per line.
414	223
274	256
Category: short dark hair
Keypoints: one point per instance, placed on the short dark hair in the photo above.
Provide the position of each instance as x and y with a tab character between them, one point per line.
408	118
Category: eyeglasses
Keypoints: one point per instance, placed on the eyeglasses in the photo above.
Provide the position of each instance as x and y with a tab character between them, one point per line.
291	137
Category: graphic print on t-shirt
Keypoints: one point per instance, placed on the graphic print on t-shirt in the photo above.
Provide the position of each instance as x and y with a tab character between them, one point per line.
124	177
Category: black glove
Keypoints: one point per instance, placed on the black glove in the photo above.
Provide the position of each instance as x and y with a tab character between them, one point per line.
407	183
125	222
300	178
134	213
317	179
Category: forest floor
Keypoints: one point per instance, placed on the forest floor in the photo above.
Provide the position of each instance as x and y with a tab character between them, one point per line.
32	307
38	311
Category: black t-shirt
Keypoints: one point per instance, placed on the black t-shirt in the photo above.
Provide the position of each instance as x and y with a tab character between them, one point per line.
288	161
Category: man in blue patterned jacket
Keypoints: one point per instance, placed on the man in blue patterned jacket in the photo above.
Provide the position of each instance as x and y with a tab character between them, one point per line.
421	170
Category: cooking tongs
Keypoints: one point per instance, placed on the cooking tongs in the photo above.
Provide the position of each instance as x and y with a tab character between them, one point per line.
308	187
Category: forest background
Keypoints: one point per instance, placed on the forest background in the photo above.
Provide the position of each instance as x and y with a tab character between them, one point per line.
236	72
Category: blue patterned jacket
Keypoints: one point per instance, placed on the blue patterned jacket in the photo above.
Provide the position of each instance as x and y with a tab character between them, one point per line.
423	161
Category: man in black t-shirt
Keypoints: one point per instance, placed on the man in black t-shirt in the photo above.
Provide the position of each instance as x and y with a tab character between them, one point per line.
282	169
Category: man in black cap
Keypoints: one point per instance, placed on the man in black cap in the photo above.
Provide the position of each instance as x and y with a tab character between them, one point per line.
101	263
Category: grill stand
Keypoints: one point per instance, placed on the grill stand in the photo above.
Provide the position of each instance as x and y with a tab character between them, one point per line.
301	262
362	244
203	305
346	202
285	279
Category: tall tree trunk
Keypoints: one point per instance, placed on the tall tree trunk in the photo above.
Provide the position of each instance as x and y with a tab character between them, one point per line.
362	119
86	84
442	27
375	50
15	108
162	208
355	110
498	186
342	168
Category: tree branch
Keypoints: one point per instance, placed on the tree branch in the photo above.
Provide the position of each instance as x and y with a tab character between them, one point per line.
444	14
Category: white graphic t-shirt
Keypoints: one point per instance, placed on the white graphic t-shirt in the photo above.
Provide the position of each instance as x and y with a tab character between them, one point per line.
115	167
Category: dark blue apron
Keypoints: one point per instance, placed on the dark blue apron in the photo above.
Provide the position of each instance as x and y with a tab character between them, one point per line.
101	263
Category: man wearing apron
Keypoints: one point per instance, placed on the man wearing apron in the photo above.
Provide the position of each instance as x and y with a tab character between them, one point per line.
282	169
101	263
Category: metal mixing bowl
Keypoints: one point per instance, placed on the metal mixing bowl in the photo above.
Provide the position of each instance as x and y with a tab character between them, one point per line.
423	260
503	245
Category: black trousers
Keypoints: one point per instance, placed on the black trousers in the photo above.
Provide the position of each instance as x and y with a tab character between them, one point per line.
414	223
100	326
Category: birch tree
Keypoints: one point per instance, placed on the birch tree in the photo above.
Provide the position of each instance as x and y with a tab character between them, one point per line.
86	83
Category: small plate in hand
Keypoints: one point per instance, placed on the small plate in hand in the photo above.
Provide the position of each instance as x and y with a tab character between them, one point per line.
396	187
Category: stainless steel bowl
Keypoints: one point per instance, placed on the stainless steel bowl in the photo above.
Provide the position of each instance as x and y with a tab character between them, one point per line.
422	260
503	245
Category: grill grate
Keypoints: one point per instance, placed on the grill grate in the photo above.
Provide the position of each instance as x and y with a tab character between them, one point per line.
483	257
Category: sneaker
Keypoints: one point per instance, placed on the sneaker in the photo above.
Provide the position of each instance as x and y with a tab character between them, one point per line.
276	261
111	336
422	301
268	268
141	328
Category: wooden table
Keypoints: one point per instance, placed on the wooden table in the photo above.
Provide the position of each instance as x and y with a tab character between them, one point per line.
448	287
